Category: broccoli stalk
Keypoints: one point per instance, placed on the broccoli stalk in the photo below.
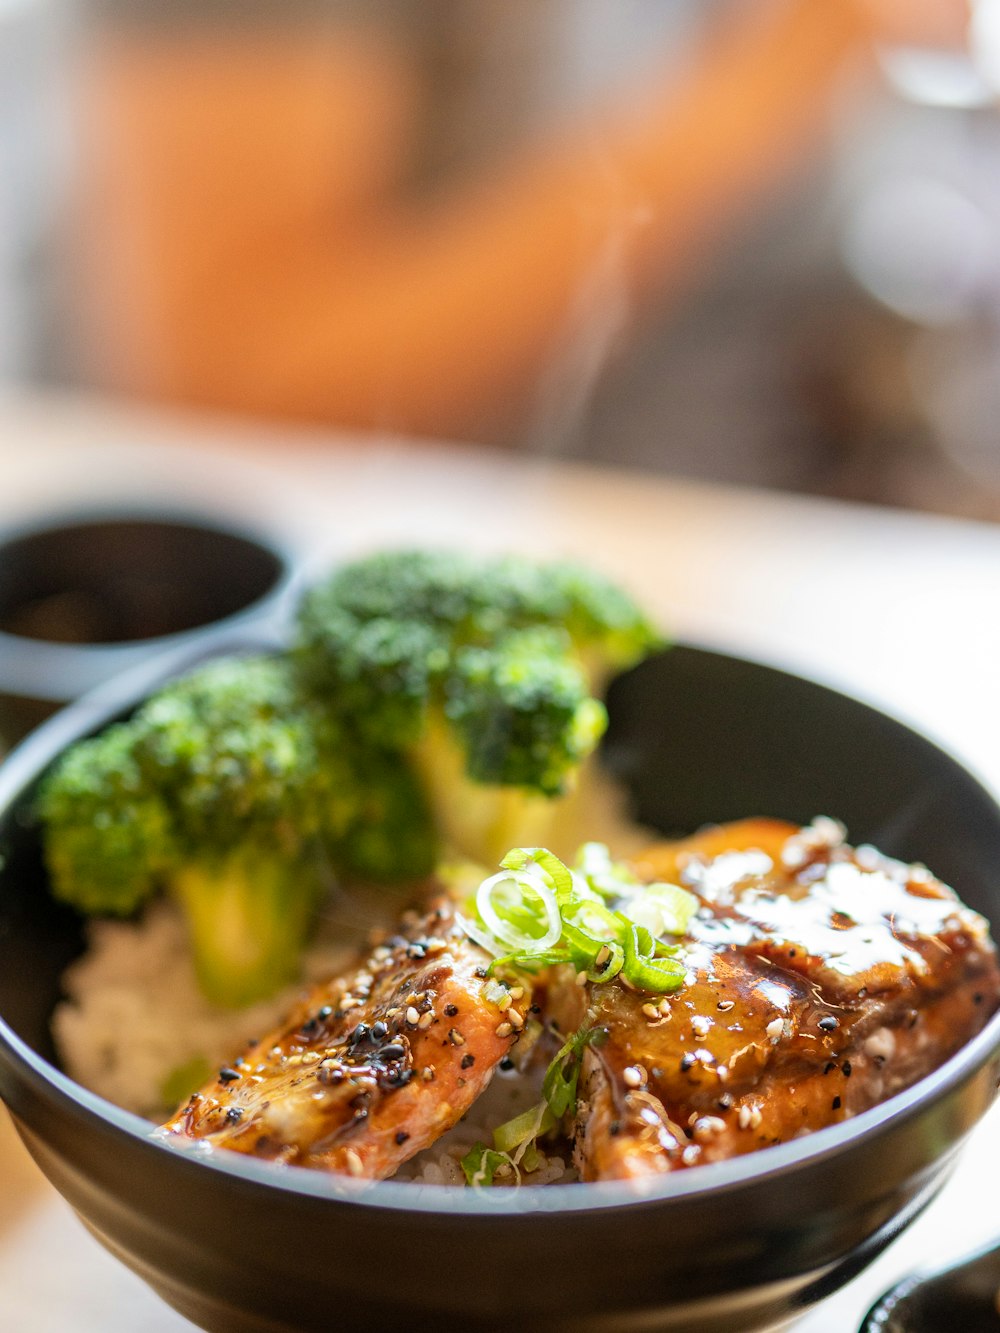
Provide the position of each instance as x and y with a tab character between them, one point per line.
226	788
481	674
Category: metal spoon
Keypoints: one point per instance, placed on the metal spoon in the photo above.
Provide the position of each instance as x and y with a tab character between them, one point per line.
962	1298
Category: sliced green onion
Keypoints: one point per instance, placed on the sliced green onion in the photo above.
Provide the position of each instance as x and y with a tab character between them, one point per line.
663	909
526	961
559	876
515	1135
643	970
604	876
509	901
481	1164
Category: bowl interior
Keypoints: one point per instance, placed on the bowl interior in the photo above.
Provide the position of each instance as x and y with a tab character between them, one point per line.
695	737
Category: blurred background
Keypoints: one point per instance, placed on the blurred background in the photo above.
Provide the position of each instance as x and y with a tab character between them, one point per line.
755	241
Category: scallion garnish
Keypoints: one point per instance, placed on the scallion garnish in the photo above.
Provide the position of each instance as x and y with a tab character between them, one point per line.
515	1141
538	912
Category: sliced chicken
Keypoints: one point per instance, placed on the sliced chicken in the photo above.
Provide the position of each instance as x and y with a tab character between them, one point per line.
821	980
371	1068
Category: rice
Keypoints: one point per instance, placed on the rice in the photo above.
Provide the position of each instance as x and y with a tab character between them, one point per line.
134	1016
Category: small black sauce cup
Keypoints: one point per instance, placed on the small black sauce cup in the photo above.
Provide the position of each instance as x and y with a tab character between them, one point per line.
85	597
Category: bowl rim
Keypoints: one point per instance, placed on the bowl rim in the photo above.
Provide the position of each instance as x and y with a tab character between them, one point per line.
28	760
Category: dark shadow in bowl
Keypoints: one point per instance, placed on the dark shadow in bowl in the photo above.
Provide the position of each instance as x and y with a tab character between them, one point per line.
235	1245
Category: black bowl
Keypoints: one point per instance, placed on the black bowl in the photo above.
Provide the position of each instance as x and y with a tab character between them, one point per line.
240	1245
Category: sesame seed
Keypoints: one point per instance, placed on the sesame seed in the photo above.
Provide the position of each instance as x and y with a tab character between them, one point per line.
581	978
426	1020
391	1013
349	1002
401	1137
651	1012
828	1023
515	1019
700	1025
354	1163
835	1104
468	1061
227	1075
412	1017
744	1117
381	953
455	1037
724	1006
427	1073
517	992
504	1030
690	1155
451	1010
603	954
775	1028
634	1076
707	1126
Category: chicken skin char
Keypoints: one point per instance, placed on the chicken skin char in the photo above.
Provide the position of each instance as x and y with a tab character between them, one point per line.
369	1069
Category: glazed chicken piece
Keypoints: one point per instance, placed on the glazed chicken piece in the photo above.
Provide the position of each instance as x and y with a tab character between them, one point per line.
821	980
371	1068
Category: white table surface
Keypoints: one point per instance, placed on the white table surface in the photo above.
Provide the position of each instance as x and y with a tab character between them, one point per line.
900	609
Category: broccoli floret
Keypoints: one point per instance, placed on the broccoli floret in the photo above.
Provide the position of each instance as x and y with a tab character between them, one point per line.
102	816
227	789
480	672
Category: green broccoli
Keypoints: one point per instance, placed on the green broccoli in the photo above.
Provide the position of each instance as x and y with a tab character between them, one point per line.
228	788
482	673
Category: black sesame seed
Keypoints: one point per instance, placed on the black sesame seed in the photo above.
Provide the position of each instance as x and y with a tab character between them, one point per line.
830	1066
359	1034
398	1078
379	1030
792	953
468	1061
227	1075
451	1010
836	1103
393	1051
614	1128
234	1115
506	1064
725	1102
535	1009
482	973
828	1023
401	1137
846	1067
687	1060
324	1013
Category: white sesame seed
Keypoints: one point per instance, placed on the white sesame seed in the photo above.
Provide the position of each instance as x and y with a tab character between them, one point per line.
504	1030
700	1025
755	1117
707	1126
516	992
412	1017
581	978
455	1037
744	1117
380	954
634	1076
724	1006
690	1155
775	1028
516	1019
651	1011
354	1163
426	1020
